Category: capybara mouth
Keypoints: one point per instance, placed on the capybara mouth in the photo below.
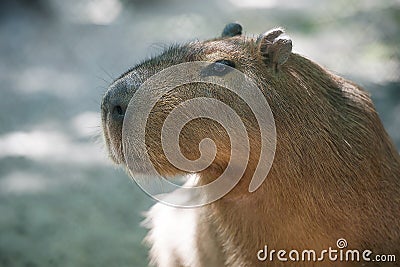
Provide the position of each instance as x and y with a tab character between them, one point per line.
115	148
113	139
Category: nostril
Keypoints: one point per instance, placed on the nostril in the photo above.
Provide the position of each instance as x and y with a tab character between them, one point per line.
118	111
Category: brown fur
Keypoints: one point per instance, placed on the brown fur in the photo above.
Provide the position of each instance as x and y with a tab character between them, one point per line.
336	173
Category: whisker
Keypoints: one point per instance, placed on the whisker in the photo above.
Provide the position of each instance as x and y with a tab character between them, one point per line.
112	77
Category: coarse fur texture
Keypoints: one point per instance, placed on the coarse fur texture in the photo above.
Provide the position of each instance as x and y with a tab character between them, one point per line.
336	173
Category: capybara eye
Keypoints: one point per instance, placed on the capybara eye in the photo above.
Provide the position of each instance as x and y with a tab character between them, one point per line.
218	68
226	62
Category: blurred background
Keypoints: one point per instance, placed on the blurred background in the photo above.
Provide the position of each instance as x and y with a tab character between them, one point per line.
62	203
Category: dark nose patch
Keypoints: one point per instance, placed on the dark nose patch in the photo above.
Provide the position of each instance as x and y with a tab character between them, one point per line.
115	102
117	109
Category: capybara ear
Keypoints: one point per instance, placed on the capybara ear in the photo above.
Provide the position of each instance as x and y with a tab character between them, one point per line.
275	47
232	29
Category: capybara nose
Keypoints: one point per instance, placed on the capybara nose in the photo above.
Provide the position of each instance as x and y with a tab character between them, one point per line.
115	103
113	108
117	111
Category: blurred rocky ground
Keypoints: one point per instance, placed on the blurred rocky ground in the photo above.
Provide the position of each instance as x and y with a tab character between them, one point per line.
61	201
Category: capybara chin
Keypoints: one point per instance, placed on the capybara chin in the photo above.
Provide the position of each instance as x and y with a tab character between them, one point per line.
336	173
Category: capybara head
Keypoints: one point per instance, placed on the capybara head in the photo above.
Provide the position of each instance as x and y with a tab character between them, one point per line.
262	59
323	122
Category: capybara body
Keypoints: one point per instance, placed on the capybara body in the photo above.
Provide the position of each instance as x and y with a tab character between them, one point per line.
336	173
